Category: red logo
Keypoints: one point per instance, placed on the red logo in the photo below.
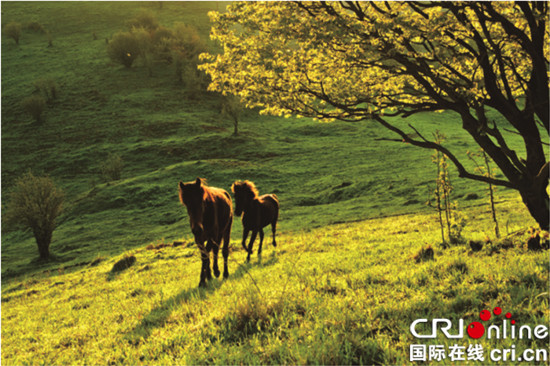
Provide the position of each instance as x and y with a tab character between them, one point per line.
477	330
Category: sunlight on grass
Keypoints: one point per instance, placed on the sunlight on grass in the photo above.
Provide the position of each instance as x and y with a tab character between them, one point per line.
341	294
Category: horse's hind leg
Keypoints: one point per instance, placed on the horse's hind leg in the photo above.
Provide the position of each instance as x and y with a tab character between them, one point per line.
225	251
251	243
261	241
273	229
207	272
216	248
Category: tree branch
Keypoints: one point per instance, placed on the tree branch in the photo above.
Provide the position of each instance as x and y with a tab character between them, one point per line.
462	172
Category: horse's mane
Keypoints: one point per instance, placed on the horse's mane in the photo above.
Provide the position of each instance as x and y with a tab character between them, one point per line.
246	185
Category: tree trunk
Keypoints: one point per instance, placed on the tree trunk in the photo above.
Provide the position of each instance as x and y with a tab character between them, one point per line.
43	240
537	204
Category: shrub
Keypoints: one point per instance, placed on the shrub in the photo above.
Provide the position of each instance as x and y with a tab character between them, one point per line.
35	106
424	254
145	19
111	168
162	39
47	87
143	38
35	203
13	30
124	48
186	47
36	27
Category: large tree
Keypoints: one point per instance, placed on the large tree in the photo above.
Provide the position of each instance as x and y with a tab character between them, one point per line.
373	61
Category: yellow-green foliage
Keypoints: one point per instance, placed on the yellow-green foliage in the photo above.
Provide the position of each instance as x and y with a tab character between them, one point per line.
343	294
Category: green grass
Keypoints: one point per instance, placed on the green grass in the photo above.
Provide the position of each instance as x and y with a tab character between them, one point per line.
338	289
342	294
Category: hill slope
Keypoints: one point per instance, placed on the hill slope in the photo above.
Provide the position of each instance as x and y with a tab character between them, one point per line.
343	294
338	289
165	132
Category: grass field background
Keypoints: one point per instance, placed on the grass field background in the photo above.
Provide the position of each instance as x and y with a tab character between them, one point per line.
338	289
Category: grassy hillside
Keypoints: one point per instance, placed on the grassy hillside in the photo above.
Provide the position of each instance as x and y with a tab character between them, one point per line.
323	173
333	292
342	294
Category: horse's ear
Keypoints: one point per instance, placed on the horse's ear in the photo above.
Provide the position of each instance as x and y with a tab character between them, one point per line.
180	185
198	182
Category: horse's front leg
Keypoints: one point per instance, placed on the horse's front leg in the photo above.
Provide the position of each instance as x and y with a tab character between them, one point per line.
273	229
251	243
245	235
205	267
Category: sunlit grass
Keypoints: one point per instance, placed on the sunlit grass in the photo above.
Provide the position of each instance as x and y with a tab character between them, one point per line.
337	289
341	294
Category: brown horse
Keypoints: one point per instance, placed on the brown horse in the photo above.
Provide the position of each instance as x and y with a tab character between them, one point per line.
258	212
210	216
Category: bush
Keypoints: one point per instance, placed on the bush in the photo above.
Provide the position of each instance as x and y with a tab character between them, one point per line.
36	27
146	50
46	87
35	106
145	19
162	39
13	30
35	203
111	169
424	254
124	48
186	46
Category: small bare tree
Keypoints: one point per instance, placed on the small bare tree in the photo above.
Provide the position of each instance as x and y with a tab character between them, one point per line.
35	203
487	171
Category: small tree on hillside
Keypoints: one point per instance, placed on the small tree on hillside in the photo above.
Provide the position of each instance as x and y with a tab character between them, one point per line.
111	168
124	48
487	171
35	203
47	87
232	108
13	30
144	19
35	105
186	47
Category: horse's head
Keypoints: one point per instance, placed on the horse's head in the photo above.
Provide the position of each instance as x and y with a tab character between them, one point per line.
191	196
244	193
